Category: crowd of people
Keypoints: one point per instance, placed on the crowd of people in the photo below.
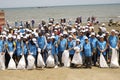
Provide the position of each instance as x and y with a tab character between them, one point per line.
57	37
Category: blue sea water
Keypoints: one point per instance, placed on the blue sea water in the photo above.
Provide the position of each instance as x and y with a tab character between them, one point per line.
102	12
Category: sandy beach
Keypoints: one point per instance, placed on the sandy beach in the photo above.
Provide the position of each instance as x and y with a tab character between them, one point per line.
62	74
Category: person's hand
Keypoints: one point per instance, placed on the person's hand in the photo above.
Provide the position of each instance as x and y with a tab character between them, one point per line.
42	50
3	53
116	48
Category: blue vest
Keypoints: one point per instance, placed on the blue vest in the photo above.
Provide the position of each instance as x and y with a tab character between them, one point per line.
113	41
71	44
62	45
18	48
1	45
41	42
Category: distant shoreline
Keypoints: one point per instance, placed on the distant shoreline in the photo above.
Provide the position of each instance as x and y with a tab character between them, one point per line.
61	6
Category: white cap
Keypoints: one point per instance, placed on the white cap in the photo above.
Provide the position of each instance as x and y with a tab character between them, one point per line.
93	33
73	30
14	37
34	40
103	24
49	38
97	35
10	36
86	37
61	34
78	40
55	30
70	36
65	32
112	30
53	37
101	36
25	37
107	32
18	37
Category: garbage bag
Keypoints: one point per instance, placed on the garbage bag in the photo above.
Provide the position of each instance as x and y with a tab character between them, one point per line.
103	63
40	62
50	61
2	62
31	62
11	64
21	64
77	59
65	58
114	58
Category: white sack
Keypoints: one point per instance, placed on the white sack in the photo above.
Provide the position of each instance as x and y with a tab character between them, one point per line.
77	58
40	62
50	61
2	62
31	62
103	63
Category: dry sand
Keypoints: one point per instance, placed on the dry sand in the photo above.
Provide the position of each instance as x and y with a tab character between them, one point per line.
62	74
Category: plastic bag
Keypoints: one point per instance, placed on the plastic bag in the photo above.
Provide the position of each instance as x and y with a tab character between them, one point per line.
40	62
114	58
2	62
50	61
103	63
31	62
66	59
11	64
77	59
21	64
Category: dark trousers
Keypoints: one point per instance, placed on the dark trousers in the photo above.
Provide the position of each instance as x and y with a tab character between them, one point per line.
7	58
88	61
94	58
60	57
44	55
71	57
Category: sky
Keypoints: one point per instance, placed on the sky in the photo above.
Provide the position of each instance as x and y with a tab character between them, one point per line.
39	3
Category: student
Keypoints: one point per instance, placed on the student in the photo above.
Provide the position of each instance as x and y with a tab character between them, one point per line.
93	41
10	47
71	45
78	44
33	49
87	52
102	46
18	49
54	50
62	45
1	46
42	42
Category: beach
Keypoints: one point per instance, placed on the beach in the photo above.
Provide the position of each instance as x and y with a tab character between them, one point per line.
62	74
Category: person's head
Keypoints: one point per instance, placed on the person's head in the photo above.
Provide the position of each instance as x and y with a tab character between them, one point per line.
48	39
107	33
86	40
101	38
18	38
113	32
53	38
70	37
55	32
61	36
40	34
10	37
93	35
77	41
24	38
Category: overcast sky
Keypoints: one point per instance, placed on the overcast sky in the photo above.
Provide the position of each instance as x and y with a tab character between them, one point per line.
35	3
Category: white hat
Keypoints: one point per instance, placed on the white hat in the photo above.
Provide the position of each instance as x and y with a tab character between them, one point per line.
93	33
101	36
49	38
70	36
78	40
4	36
73	30
86	37
34	40
107	32
53	37
61	34
112	30
97	35
14	37
65	32
103	24
25	37
0	35
10	36
55	30
18	37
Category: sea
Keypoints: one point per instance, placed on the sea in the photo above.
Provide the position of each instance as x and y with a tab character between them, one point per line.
102	12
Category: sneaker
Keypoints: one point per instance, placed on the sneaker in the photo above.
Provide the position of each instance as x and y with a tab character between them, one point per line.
56	66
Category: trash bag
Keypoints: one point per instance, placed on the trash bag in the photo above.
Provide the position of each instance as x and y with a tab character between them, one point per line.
2	62
21	64
31	62
77	59
66	59
40	62
50	61
103	63
114	58
11	64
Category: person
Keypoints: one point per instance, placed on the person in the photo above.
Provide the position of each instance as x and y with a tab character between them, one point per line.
93	41
18	49
54	51
102	46
33	23
71	45
42	42
10	47
88	53
33	49
62	45
2	47
79	45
